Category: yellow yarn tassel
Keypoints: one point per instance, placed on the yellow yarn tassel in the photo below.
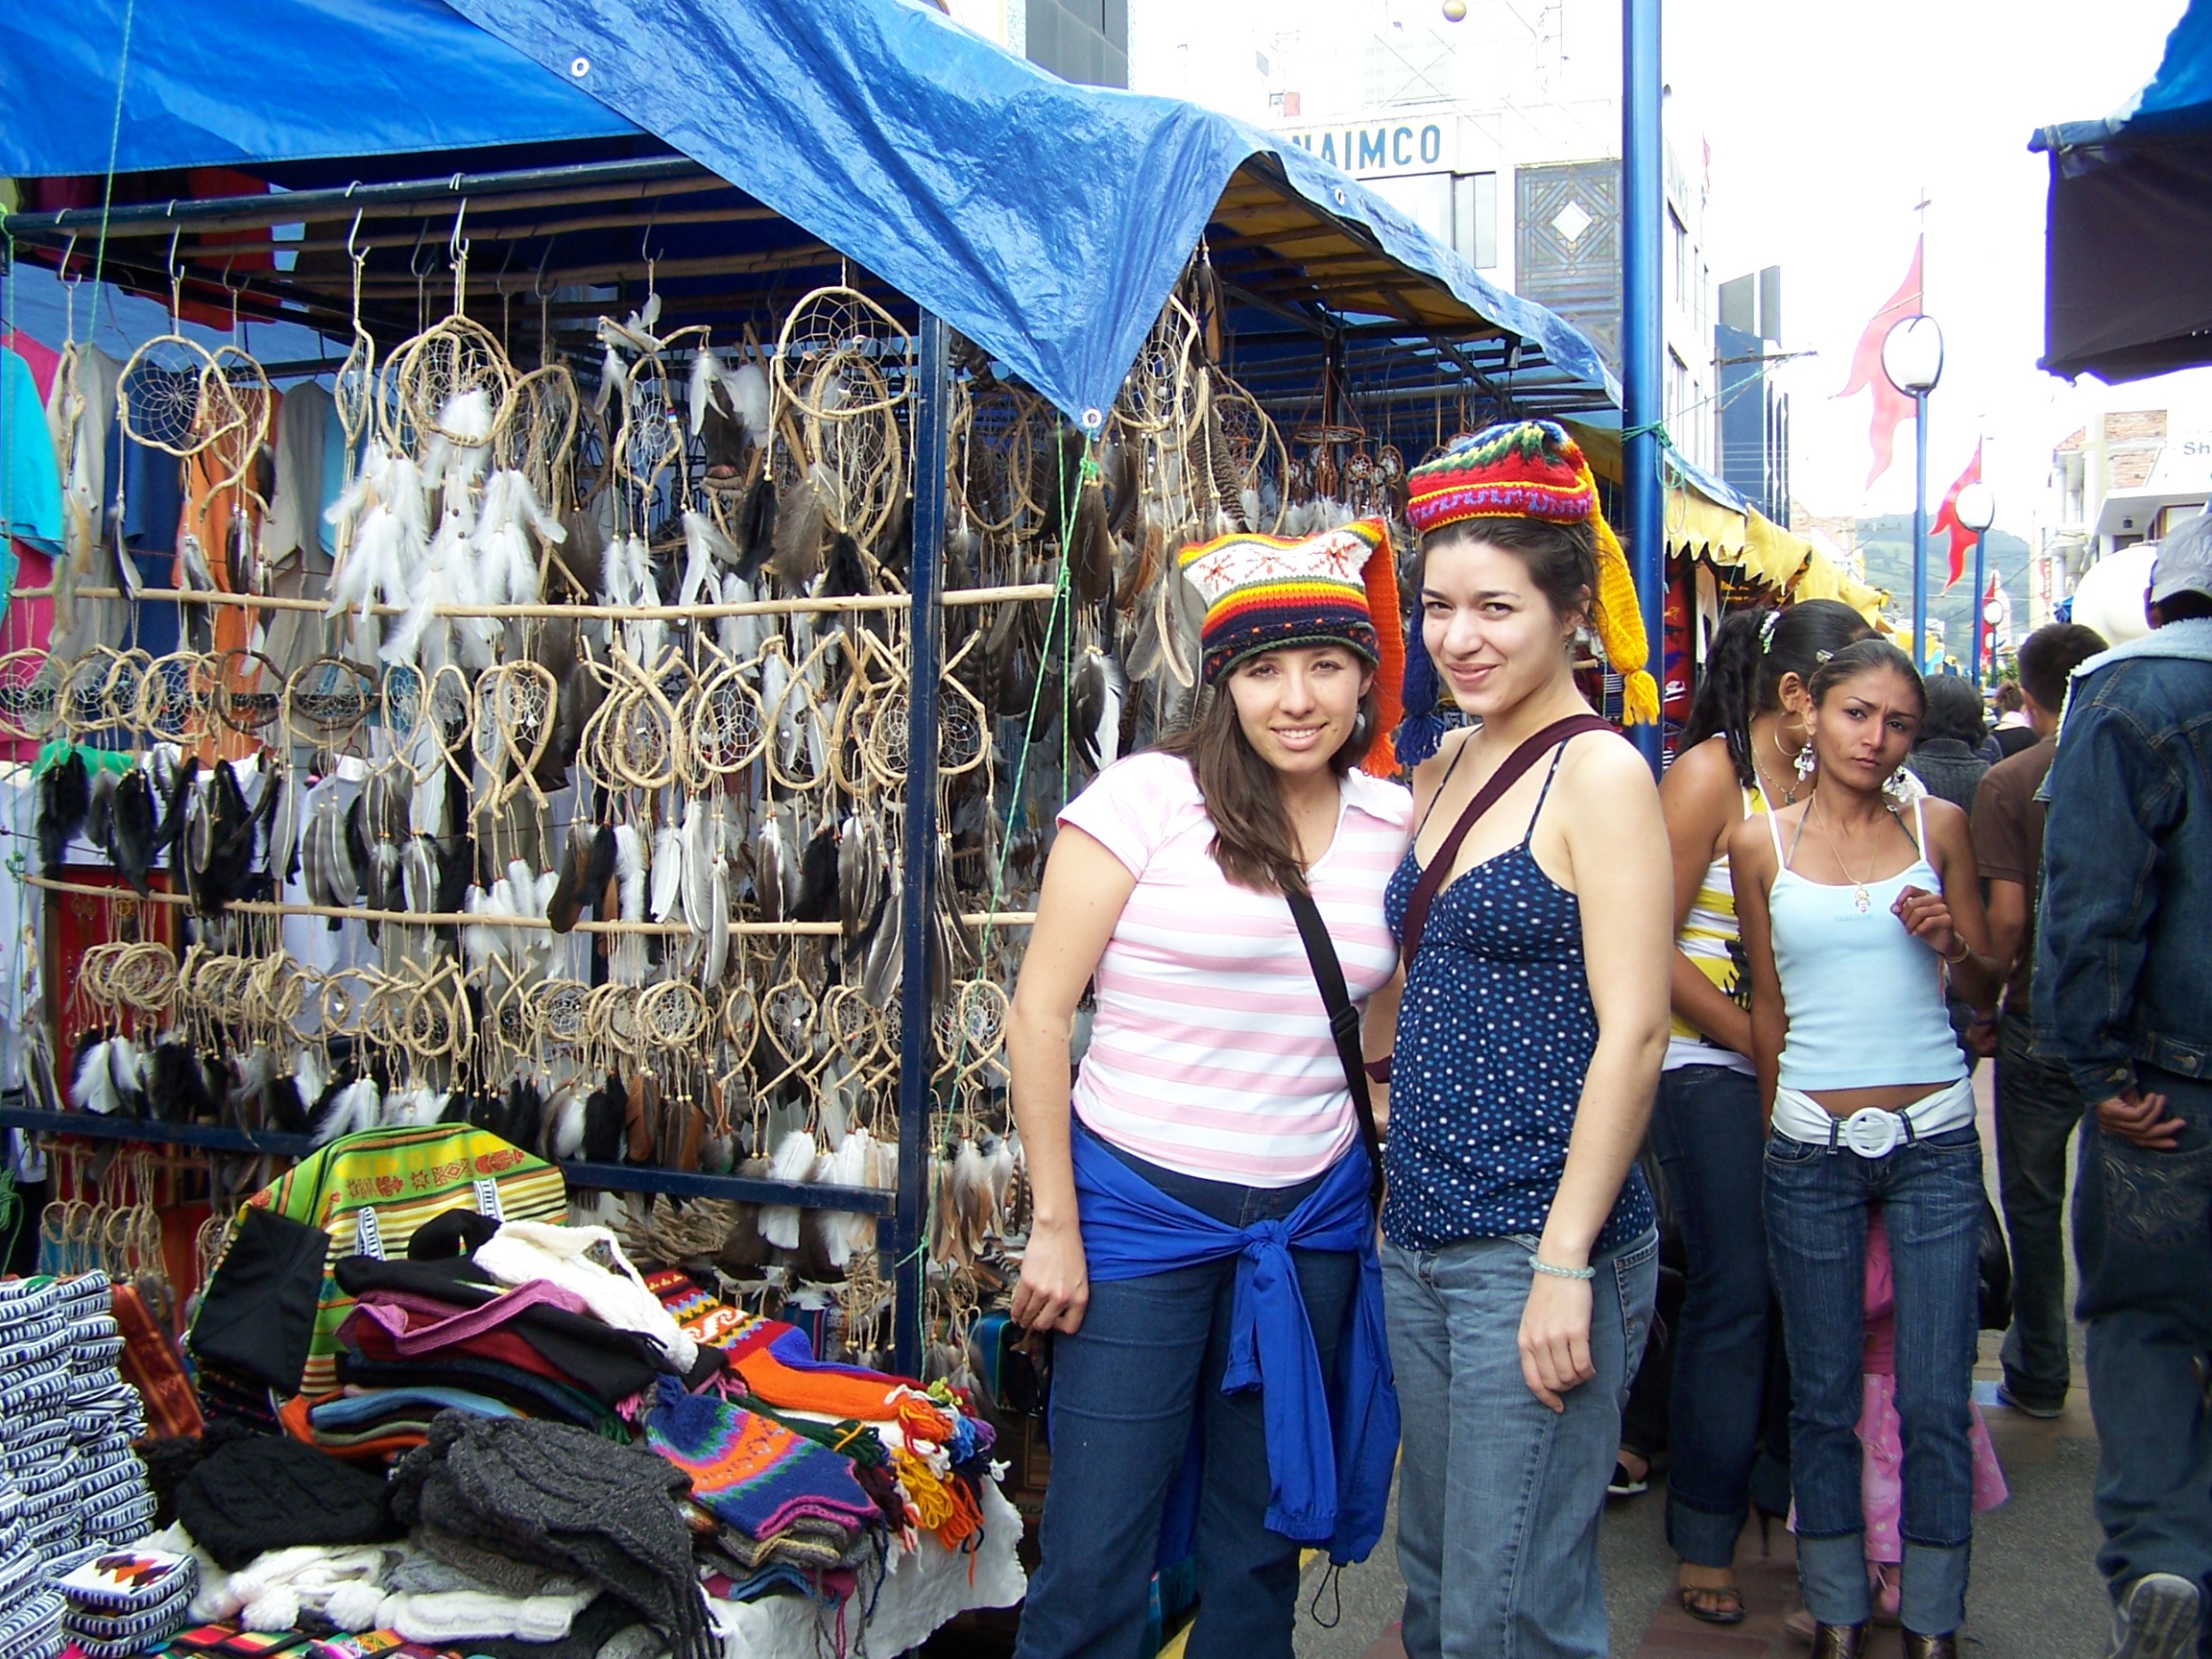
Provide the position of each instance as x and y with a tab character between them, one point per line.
1620	619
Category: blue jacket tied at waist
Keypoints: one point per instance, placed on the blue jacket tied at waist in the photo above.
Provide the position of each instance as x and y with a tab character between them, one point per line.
1332	1445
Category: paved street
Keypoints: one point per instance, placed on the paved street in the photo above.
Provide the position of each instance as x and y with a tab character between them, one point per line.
2034	1592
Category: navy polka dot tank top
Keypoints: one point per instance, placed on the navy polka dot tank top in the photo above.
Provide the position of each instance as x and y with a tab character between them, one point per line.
1495	1035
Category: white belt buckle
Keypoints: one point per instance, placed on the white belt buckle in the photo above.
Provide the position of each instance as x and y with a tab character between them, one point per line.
1871	1132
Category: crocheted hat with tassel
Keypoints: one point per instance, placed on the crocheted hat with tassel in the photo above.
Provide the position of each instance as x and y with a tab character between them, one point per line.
1339	587
1524	469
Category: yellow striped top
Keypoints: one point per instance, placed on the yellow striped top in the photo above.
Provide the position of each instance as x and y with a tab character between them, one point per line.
1712	939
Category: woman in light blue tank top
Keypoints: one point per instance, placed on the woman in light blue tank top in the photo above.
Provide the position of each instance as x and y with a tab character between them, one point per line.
1853	912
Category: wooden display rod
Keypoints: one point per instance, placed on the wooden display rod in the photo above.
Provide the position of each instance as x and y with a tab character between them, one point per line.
837	605
474	919
595	1177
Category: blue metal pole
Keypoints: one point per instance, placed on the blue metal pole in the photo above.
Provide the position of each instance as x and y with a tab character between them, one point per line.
1643	342
1920	531
917	898
1980	621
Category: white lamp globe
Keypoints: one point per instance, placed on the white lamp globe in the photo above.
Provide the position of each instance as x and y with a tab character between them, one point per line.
1913	354
1976	508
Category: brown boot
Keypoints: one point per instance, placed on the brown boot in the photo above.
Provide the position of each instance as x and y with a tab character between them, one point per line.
1918	1646
1837	1641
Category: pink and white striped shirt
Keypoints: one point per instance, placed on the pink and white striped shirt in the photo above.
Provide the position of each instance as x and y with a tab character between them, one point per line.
1210	1053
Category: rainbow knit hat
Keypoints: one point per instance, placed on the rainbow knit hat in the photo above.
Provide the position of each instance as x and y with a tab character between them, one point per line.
1531	470
1339	587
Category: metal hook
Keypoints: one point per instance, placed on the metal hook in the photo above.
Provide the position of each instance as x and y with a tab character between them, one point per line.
456	249
414	266
357	255
537	281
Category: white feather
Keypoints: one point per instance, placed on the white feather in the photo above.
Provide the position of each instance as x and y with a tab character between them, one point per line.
704	374
748	387
794	1160
704	547
630	871
94	1087
698	867
718	926
568	1134
739	637
667	871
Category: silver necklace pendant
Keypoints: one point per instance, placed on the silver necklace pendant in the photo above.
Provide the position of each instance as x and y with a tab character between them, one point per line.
1861	900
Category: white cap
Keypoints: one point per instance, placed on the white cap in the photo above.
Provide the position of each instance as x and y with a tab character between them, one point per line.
2184	562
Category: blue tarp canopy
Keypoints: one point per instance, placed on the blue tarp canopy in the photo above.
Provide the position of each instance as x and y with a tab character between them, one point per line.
2129	222
1045	222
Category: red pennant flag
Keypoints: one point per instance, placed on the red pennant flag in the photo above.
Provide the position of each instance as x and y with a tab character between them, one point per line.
1891	405
1961	538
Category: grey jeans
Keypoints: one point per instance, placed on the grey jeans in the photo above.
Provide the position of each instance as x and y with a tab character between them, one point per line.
1499	1497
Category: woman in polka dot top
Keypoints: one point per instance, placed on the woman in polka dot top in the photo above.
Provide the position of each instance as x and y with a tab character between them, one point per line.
1519	1255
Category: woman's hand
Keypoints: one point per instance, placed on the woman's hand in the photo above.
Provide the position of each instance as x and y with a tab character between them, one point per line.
1055	1286
1927	917
1556	1339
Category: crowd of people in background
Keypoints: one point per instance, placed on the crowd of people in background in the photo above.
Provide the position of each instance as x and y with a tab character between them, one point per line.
1353	1157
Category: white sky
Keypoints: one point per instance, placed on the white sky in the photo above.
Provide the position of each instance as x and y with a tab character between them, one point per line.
1827	122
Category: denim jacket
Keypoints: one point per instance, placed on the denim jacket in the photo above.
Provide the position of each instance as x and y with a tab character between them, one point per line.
2124	937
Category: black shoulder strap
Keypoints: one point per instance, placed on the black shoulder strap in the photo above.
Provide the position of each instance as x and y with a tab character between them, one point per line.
1343	1026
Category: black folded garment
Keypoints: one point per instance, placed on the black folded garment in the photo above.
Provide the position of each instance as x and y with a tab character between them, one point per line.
267	1492
609	1363
258	1315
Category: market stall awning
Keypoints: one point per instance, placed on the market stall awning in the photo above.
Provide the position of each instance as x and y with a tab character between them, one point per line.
2129	220
1045	221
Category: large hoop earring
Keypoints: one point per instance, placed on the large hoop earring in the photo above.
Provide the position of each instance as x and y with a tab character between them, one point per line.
1805	761
1359	738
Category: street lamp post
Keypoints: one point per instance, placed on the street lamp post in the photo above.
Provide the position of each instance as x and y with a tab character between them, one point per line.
1976	509
1913	358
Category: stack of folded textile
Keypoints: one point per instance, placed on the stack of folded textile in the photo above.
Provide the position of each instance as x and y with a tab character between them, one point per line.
70	1418
919	1452
554	1497
788	1513
537	1348
30	1610
126	1602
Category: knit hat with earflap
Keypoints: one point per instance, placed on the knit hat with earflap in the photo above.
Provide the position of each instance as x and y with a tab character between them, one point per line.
1525	469
1337	587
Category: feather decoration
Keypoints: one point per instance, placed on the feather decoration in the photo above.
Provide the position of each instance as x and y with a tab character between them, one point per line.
859	875
717	925
131	836
177	1082
818	878
748	387
93	1087
124	1071
65	796
881	968
739	637
844	575
757	523
705	549
100	812
565	1117
793	1161
1091	547
698	865
630	871
569	896
706	373
801	524
599	889
769	855
284	1104
666	870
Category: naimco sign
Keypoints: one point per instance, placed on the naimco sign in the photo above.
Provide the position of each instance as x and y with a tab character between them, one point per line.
1375	149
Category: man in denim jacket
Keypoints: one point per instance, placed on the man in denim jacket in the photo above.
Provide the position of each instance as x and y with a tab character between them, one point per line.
2122	1000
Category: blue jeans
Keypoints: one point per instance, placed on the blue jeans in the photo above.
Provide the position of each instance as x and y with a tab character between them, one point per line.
1930	1197
2038	1107
1498	1496
1127	1390
2142	1235
1709	1140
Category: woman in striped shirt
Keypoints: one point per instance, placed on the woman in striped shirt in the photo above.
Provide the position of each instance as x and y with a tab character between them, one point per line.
1203	1241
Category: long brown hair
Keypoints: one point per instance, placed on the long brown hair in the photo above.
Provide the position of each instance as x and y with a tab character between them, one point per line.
1253	841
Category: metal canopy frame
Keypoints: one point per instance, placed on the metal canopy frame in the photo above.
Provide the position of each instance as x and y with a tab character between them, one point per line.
1310	300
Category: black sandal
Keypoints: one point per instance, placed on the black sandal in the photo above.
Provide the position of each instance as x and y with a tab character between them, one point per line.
1712	1603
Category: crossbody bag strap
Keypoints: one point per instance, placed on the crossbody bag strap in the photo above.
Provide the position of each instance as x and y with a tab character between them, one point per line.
1343	1026
1438	869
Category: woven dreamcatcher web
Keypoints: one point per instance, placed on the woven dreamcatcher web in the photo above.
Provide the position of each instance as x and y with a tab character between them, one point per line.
100	691
513	721
559	1012
1252	444
989	453
236	407
1160	398
327	702
441	364
176	698
158	395
535	430
242	701
720	729
30	695
840	374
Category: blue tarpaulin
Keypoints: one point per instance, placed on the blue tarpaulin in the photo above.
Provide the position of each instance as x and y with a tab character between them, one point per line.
2129	219
1045	221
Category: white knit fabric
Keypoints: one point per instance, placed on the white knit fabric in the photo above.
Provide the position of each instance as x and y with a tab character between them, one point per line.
525	1250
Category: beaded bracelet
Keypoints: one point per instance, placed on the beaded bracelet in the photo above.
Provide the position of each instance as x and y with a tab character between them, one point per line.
1543	1266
